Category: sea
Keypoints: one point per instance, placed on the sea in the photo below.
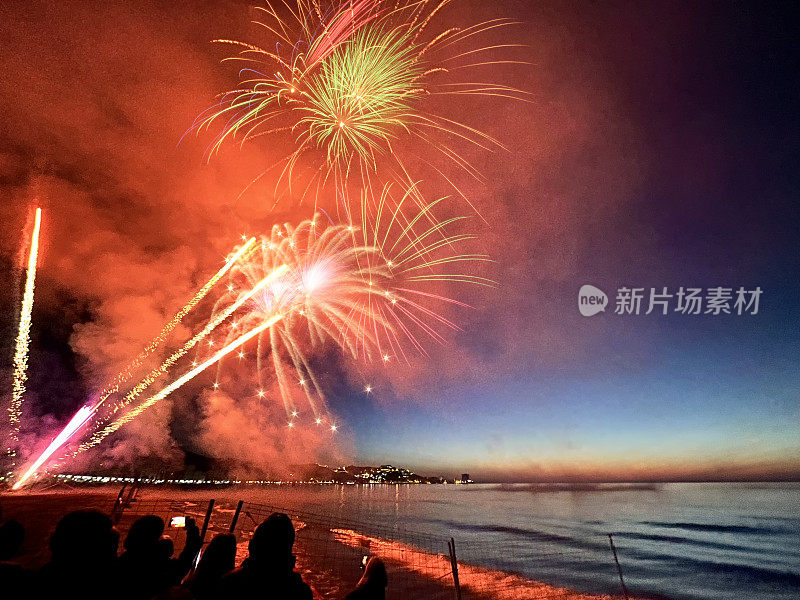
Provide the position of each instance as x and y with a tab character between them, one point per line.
682	541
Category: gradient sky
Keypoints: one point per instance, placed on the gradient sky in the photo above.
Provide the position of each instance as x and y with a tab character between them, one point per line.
660	148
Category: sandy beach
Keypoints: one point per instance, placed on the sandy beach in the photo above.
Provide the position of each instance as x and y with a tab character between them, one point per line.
328	557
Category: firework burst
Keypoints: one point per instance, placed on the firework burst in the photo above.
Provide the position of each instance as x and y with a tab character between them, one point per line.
371	287
347	80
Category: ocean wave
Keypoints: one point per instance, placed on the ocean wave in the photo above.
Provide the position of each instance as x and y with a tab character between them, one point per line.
529	534
713	527
548	488
675	539
743	574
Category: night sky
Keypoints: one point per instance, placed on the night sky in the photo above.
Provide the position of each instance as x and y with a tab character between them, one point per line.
659	148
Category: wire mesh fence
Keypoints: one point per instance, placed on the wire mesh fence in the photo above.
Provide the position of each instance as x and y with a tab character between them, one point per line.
331	553
331	550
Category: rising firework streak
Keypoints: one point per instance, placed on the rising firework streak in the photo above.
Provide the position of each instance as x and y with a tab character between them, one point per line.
83	415
127	417
127	373
75	424
23	339
161	369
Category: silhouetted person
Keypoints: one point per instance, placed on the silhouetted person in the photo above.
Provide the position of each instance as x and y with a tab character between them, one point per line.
12	533
191	548
142	565
147	567
372	585
268	571
217	560
13	578
84	553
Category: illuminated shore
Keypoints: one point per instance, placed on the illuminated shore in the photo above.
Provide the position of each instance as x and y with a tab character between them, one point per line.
328	557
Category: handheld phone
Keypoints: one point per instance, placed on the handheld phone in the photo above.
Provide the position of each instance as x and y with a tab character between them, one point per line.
177	522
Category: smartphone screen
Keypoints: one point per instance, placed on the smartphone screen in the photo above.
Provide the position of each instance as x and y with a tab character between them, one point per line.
177	522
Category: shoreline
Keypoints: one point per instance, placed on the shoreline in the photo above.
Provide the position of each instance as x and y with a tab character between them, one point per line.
328	554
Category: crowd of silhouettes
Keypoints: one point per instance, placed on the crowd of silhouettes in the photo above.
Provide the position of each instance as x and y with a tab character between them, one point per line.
84	563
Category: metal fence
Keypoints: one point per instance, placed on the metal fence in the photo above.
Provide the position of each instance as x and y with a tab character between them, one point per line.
330	552
330	549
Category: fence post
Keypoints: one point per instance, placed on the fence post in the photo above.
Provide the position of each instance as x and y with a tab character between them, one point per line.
116	512
451	545
206	520
619	569
236	516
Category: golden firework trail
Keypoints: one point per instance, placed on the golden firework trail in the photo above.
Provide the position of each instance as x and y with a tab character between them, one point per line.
86	412
128	372
129	416
151	377
71	429
23	339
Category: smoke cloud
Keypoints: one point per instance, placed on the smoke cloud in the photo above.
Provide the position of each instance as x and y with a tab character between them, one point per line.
96	102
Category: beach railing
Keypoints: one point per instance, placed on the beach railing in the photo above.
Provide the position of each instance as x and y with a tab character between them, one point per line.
331	550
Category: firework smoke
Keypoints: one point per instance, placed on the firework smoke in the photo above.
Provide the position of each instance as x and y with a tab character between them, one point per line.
128	372
151	377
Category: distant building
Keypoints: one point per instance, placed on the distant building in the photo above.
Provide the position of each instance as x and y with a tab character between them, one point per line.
464	478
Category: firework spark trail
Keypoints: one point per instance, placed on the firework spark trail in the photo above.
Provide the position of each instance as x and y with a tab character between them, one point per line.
23	339
81	417
86	412
127	373
324	284
128	417
100	435
345	23
72	429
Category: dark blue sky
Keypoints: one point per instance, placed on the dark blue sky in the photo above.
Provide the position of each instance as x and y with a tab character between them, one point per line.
710	93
